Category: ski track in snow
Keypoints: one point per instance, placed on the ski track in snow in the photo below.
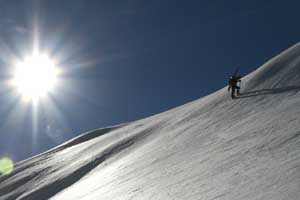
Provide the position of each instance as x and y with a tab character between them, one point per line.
212	148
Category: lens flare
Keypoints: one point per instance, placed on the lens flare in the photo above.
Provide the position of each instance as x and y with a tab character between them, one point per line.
6	166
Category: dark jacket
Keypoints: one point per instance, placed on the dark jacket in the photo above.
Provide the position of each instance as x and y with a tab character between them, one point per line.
233	81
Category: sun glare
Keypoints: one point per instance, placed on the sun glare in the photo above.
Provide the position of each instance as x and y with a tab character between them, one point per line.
35	76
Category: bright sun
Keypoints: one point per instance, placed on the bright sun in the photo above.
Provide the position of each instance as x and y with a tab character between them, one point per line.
35	76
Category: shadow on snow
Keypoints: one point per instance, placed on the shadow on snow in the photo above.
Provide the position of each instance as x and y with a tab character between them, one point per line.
269	91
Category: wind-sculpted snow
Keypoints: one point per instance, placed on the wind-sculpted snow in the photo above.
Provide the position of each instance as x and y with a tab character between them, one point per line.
281	71
212	148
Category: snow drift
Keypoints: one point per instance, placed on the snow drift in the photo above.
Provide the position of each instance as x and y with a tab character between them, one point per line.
212	148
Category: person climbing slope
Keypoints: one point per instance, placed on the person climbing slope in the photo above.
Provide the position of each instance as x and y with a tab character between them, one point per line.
234	85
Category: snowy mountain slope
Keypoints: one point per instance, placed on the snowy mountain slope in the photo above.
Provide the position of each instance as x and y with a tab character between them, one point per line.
212	148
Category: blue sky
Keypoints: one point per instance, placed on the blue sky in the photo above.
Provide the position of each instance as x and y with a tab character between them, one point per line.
129	59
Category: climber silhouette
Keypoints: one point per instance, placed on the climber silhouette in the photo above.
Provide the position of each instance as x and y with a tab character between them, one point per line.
234	84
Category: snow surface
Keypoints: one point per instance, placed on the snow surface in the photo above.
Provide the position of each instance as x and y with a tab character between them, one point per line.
212	148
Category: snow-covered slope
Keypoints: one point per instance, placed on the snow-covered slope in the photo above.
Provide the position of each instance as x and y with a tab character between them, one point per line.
212	148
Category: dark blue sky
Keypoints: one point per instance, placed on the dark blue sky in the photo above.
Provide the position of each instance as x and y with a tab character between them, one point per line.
129	59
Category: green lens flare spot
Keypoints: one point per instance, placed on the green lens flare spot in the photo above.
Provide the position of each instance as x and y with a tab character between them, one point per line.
6	166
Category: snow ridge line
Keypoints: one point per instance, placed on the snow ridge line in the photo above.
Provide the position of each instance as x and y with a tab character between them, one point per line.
80	139
60	183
